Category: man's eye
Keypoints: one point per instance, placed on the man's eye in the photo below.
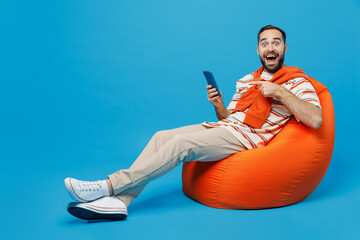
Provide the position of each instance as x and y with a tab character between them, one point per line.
276	44
264	44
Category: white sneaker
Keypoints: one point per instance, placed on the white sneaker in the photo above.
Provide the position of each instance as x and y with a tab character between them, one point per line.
103	208
84	191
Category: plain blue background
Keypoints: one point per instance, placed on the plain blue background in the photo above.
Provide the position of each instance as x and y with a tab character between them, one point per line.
85	84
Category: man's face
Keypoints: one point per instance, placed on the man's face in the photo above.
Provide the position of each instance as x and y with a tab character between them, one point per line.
271	50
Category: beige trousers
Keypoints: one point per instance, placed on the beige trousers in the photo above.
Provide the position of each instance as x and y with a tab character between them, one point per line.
166	150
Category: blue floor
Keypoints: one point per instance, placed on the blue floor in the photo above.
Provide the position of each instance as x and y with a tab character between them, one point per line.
164	212
85	84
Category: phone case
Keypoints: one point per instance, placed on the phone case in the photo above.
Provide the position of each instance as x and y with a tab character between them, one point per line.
211	80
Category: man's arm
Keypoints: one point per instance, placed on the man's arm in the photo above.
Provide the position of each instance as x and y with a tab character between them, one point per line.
306	112
213	97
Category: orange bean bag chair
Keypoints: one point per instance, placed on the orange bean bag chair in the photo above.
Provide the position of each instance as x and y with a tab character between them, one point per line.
283	172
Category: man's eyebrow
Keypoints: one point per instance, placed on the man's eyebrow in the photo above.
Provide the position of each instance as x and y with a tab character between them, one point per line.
276	38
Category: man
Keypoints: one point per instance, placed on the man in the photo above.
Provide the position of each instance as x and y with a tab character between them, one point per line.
263	103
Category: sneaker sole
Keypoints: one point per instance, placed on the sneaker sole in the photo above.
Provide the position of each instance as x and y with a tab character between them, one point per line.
85	213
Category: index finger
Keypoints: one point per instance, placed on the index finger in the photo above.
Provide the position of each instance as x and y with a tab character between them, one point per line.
256	83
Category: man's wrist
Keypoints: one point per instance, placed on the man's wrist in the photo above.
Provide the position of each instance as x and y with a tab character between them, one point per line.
221	111
219	107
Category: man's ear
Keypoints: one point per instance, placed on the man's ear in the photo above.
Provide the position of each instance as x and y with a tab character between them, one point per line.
285	47
257	50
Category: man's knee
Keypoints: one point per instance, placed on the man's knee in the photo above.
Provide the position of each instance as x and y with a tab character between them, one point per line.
162	135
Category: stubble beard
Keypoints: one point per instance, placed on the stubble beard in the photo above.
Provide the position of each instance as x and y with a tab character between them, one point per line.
274	68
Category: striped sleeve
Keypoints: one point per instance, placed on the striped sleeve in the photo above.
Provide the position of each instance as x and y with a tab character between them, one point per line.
303	89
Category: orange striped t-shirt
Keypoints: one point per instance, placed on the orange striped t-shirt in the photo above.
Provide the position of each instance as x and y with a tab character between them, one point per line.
278	117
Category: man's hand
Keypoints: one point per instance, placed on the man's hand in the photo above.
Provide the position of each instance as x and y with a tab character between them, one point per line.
269	89
306	112
213	97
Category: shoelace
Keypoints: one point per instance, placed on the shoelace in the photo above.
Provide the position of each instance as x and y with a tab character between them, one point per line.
90	186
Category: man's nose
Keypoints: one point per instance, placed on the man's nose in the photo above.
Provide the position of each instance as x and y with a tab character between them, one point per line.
270	47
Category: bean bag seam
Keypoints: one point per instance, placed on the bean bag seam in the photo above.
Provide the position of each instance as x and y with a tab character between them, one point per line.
220	184
300	180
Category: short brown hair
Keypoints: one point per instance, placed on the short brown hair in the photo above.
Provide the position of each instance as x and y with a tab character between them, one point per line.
268	27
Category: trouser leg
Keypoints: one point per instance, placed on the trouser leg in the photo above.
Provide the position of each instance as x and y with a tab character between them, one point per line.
205	145
158	140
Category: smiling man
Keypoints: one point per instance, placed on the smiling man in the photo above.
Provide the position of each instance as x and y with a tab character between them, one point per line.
272	48
263	103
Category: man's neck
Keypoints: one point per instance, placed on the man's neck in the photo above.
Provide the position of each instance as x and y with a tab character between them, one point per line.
266	75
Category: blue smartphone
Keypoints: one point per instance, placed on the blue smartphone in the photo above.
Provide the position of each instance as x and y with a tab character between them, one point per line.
211	80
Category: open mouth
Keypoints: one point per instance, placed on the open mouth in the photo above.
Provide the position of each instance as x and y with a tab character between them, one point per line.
271	58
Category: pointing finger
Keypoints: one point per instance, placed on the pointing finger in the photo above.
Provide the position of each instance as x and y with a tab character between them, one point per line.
256	83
